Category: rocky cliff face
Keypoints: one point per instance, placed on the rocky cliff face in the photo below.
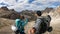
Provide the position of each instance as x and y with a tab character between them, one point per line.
10	14
29	14
47	11
55	13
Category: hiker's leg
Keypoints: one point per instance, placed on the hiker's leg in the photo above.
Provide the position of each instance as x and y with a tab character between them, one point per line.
17	32
22	32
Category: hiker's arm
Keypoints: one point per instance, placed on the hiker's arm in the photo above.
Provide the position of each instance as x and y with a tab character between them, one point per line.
26	21
31	31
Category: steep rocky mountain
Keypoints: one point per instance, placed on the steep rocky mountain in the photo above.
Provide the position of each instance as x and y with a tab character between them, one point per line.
55	13
10	14
29	14
5	24
47	11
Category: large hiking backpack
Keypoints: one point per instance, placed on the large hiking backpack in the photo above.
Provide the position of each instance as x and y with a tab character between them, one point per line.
43	26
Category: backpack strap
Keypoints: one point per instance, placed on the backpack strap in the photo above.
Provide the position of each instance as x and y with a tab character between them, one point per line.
42	19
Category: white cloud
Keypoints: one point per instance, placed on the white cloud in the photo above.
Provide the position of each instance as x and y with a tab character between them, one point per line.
46	1
23	4
12	2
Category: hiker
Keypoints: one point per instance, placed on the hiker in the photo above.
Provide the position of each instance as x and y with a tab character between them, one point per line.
20	23
42	24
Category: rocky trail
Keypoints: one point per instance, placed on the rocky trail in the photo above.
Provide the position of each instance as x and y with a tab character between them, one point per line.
54	23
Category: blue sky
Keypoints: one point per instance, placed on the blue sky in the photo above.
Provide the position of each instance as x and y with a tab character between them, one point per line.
19	5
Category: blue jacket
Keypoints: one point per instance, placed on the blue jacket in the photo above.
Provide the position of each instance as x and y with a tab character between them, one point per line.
20	24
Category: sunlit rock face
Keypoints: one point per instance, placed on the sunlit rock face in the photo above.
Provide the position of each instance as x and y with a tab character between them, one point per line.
10	14
30	14
47	11
55	13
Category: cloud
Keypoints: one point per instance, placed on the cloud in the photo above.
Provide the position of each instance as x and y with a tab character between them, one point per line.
30	1
56	3
30	4
12	2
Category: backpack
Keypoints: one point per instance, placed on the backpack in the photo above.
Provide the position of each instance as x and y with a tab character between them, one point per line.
42	26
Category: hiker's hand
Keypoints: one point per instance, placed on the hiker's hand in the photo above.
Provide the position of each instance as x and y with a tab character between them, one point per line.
31	31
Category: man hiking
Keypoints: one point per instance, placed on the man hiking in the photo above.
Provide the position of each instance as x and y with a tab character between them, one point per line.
42	24
20	23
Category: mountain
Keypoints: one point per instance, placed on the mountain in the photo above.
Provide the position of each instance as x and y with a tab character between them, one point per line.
29	14
55	13
47	11
10	14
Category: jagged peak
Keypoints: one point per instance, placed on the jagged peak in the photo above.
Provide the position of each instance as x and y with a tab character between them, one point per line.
5	8
57	7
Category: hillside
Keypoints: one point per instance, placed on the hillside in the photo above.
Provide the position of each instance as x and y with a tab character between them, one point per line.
47	11
10	14
55	13
5	24
29	14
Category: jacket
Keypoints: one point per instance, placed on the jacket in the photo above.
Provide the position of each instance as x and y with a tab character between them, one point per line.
20	24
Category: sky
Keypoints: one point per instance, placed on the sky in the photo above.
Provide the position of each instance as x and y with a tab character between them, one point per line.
19	5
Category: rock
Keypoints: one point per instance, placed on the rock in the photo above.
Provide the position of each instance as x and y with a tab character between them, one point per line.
29	14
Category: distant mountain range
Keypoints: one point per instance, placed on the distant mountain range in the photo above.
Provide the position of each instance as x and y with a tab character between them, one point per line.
6	13
12	14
